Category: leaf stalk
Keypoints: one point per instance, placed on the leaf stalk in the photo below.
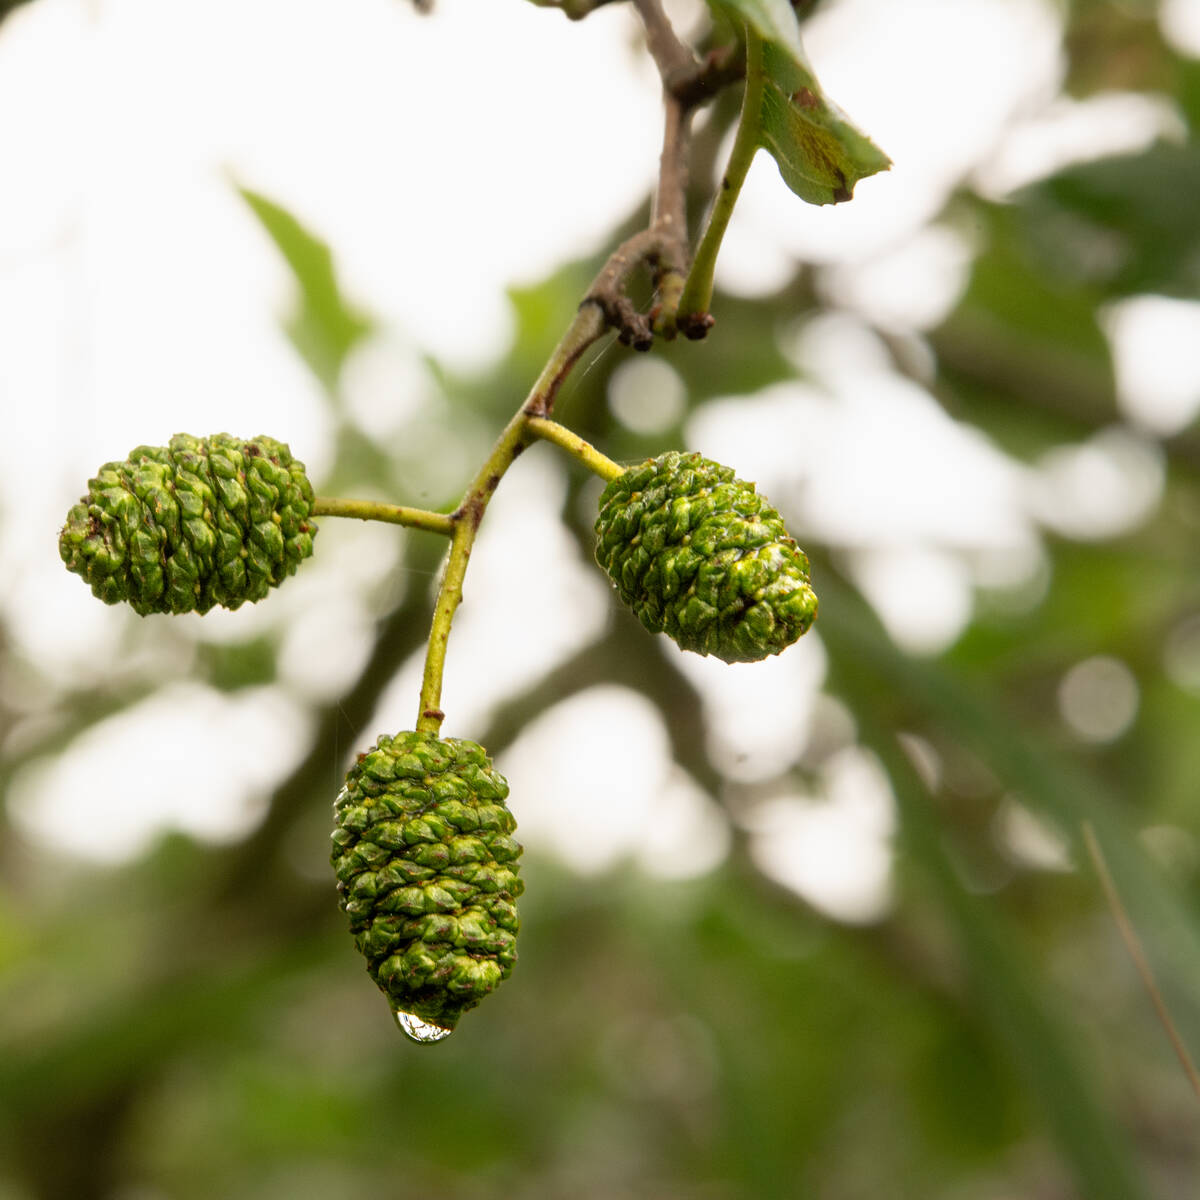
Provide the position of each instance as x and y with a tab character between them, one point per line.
697	292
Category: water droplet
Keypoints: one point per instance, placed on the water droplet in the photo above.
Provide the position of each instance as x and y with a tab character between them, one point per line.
423	1032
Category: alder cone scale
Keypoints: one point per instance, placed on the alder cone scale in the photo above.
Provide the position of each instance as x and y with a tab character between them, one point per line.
199	522
699	555
427	872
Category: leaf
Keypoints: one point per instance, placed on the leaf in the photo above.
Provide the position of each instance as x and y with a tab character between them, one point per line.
773	20
820	154
325	326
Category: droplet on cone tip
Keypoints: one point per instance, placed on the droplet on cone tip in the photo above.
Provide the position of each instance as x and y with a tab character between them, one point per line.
424	1033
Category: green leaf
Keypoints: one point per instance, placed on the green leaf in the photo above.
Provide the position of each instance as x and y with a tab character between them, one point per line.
820	154
773	20
325	326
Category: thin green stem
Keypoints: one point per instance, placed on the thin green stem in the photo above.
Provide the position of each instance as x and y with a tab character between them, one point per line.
697	292
575	446
587	326
393	514
430	716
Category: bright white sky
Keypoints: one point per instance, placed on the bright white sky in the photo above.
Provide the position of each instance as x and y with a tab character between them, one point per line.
444	159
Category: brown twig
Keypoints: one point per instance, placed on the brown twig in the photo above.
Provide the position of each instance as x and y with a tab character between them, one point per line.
663	245
688	81
608	291
721	67
669	217
670	55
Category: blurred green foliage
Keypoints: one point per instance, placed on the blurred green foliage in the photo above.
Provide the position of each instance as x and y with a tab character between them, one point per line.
197	1024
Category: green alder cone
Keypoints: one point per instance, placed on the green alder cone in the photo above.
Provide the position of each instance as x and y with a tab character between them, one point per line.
201	521
699	555
427	872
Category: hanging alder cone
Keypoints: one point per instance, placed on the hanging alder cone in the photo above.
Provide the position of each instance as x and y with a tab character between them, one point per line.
427	873
201	521
699	555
